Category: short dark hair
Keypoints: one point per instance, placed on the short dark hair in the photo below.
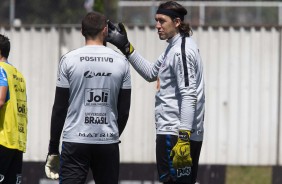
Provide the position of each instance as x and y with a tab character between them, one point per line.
4	46
180	12
92	24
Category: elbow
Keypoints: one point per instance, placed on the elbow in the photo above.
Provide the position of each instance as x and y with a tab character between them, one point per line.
192	98
192	95
150	79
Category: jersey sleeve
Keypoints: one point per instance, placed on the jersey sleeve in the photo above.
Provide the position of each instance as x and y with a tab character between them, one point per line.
123	108
126	83
58	116
3	77
184	71
149	71
62	76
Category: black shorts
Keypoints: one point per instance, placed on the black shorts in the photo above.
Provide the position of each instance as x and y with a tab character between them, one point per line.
11	161
167	173
77	158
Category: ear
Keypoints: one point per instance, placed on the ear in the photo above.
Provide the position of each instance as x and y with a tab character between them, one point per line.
177	22
105	31
81	32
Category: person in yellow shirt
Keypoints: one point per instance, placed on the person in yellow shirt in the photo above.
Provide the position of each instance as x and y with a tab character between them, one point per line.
13	117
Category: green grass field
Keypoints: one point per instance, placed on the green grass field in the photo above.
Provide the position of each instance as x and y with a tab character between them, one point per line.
248	175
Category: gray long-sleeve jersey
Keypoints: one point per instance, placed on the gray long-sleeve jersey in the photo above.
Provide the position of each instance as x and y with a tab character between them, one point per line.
181	98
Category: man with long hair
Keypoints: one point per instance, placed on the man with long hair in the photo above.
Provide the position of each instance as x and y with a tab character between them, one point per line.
180	99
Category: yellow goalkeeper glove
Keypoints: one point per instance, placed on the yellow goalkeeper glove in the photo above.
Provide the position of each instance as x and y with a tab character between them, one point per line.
180	153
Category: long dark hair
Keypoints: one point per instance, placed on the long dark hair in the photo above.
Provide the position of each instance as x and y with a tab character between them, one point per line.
184	28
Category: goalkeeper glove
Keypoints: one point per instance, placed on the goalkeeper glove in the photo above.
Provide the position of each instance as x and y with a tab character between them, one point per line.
118	37
180	153
52	166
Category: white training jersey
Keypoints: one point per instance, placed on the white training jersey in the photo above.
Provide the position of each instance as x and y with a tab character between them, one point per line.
94	75
181	97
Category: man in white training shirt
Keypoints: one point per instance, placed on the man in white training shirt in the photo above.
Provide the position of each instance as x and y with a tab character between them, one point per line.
91	109
180	99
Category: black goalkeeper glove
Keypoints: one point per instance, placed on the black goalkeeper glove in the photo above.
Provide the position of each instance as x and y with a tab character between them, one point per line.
118	37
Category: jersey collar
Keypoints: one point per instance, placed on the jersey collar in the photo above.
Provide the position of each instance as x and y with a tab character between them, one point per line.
174	39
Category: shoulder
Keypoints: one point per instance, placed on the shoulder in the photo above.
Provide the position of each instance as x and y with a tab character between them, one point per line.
72	53
2	72
6	63
191	47
69	55
6	66
176	50
191	44
115	53
118	58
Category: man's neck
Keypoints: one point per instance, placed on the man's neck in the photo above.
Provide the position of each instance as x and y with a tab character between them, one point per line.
93	42
2	59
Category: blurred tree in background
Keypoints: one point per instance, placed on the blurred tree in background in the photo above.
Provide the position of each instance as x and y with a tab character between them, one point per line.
99	6
54	11
50	12
4	12
71	12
